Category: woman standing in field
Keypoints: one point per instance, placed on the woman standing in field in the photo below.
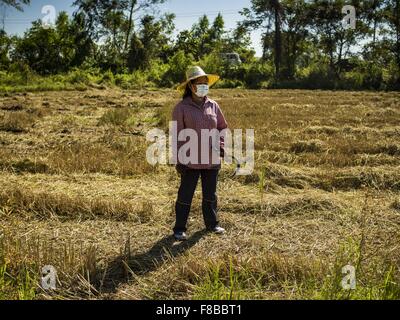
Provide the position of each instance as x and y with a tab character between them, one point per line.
197	112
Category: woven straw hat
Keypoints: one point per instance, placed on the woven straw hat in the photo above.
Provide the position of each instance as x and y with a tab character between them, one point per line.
197	72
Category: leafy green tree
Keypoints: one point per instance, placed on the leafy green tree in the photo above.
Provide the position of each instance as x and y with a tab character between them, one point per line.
203	38
134	7
107	18
113	22
372	14
264	14
151	42
285	26
215	35
295	41
101	17
5	47
200	33
392	19
82	43
52	50
186	42
136	54
332	37
238	40
178	64
39	49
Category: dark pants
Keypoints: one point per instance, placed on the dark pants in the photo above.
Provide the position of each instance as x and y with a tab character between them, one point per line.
189	179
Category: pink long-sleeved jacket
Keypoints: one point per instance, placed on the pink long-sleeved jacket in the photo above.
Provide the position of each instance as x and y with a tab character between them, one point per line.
189	115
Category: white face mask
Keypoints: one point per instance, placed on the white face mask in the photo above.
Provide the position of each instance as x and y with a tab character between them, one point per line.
202	90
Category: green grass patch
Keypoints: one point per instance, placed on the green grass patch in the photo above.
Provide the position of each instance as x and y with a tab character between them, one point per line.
16	283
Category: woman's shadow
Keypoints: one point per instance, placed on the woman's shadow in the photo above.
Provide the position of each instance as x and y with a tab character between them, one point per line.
127	266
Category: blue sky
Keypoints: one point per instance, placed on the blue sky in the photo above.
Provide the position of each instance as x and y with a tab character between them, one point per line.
187	13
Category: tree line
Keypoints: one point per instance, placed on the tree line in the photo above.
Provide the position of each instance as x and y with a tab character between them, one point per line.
305	44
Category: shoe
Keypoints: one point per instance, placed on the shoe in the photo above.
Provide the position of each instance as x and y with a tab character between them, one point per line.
180	236
218	230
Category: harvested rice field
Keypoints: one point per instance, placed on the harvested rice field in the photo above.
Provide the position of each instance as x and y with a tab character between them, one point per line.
77	193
